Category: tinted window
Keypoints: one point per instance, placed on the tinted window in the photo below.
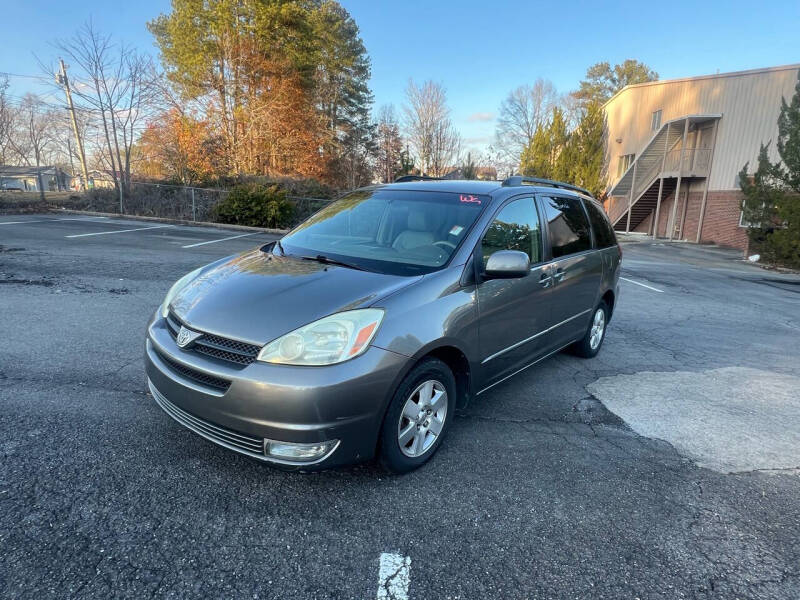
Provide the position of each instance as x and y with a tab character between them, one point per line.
603	234
567	225
516	227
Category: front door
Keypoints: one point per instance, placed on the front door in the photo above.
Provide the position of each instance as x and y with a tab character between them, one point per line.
514	313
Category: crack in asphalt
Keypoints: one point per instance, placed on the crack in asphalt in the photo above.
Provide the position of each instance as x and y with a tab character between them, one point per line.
390	580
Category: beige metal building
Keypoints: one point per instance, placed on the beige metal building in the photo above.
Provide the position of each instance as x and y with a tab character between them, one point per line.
689	138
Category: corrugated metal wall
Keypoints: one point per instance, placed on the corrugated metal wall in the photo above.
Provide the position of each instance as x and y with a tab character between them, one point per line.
749	102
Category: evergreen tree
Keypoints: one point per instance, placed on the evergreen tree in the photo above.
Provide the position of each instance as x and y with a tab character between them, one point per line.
788	173
603	81
559	138
469	170
535	159
584	156
771	202
406	163
542	157
761	197
341	77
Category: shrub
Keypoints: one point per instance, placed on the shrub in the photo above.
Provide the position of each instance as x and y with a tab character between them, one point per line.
307	188
255	205
783	244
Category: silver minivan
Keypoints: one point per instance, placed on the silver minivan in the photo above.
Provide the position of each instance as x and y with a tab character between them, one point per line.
361	331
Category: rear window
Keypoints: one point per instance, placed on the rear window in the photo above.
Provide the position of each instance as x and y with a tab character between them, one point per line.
389	231
567	225
603	233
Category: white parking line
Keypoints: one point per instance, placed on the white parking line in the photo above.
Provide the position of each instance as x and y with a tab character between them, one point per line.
233	237
50	220
118	231
78	219
644	285
394	576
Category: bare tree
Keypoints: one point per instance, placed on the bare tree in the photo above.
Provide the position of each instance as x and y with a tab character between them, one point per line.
429	129
32	135
113	84
503	165
524	109
389	146
574	110
446	147
7	113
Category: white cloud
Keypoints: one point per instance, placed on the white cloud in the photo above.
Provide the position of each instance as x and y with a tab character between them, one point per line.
480	117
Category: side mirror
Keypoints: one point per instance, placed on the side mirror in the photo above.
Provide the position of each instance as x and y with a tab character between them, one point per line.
507	264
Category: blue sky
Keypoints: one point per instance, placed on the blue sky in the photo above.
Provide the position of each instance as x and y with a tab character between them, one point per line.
478	50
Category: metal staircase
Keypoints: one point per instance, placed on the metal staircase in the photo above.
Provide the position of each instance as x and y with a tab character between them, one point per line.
657	171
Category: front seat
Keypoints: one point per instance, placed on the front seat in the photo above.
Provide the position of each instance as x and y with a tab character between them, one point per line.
416	235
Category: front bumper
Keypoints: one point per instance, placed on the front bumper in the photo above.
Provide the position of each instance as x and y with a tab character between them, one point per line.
344	402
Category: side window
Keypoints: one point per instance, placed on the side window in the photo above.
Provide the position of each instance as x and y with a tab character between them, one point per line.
655	121
567	225
603	234
625	161
516	227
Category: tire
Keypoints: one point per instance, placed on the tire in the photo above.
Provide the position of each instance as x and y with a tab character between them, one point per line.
409	439
589	345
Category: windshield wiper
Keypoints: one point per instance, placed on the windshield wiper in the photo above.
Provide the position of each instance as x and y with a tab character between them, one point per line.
321	258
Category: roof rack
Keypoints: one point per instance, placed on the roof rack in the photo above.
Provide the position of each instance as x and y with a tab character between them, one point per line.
519	180
405	178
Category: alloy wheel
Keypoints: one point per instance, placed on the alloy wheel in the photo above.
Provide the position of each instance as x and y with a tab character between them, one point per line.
422	418
598	327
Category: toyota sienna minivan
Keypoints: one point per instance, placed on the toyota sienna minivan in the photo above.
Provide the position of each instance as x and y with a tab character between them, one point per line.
362	330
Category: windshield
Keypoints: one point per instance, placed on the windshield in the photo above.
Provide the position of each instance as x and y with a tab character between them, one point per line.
389	231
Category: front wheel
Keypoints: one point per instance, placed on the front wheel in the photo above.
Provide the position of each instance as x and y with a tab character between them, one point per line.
589	345
418	416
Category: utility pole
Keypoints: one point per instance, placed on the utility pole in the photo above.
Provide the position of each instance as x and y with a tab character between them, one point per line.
71	162
63	80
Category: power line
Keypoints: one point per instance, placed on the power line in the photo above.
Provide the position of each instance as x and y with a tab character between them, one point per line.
41	77
19	102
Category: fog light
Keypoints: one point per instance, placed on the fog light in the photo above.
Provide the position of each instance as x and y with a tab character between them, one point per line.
299	453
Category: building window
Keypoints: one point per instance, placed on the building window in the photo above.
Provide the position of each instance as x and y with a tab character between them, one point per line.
625	161
655	123
742	222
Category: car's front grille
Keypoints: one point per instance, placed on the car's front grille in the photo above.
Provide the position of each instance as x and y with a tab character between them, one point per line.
222	348
195	375
234	440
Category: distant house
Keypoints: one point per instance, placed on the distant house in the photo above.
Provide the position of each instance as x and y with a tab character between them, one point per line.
486	173
32	179
689	139
100	179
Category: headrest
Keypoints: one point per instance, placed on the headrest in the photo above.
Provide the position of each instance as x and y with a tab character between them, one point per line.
417	221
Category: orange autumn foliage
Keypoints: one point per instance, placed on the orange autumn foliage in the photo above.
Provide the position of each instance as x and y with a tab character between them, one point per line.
181	148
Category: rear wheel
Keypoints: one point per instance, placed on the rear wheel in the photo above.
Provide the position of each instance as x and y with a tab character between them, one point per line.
418	416
590	344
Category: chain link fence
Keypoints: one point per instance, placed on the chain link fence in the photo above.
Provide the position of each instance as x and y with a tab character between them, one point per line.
172	201
183	203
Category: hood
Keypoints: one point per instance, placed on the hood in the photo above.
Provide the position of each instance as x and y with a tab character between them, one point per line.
257	297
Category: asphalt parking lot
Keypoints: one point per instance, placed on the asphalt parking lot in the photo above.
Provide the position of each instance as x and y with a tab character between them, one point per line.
667	467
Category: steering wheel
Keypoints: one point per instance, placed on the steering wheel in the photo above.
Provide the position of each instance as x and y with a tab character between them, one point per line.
444	243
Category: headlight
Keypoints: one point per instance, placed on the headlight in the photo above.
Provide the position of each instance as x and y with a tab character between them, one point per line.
330	340
177	287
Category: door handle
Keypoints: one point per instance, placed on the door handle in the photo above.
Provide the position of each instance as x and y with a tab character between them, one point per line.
545	280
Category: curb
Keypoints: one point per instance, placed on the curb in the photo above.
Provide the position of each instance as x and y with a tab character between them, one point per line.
173	221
